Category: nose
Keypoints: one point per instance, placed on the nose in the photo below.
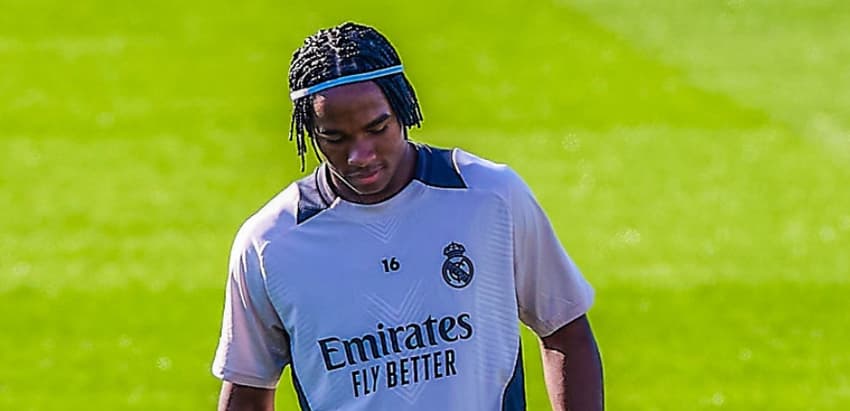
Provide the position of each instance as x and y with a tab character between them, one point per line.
362	153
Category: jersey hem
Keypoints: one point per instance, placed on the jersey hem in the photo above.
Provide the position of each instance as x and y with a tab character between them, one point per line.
246	380
555	325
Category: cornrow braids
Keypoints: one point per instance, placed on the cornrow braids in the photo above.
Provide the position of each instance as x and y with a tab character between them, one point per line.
343	50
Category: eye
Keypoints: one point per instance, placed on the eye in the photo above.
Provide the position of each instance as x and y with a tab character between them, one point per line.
378	130
332	140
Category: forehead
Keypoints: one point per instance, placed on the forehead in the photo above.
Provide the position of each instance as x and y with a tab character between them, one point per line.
351	102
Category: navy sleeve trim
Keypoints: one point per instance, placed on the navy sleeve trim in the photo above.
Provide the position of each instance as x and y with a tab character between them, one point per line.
514	396
296	383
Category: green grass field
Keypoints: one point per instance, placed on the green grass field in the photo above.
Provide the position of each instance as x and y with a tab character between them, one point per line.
694	157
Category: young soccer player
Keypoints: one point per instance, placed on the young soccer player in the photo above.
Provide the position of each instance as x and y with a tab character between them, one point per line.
394	276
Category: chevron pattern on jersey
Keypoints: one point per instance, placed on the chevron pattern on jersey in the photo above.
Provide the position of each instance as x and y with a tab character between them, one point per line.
383	229
409	309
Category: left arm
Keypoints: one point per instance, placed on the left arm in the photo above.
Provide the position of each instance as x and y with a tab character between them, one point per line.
572	368
552	299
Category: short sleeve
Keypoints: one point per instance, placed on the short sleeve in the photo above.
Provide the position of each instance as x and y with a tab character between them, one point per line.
254	347
551	291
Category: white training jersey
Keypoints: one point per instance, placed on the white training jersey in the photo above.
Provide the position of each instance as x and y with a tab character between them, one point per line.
412	303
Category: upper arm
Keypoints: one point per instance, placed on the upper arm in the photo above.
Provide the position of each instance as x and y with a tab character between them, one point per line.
551	291
575	333
254	346
235	397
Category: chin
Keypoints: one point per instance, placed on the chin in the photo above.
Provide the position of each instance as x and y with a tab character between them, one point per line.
374	188
371	189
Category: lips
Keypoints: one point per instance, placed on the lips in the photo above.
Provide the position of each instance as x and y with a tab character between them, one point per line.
367	176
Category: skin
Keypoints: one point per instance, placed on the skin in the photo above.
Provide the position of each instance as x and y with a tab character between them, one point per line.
363	142
370	160
235	397
572	368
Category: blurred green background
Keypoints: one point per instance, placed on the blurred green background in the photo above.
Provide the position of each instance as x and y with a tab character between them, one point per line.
694	157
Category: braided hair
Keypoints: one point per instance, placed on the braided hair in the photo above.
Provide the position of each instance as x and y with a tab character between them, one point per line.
346	49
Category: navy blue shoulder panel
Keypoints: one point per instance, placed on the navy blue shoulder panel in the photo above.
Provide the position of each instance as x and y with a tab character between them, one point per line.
514	398
310	200
435	167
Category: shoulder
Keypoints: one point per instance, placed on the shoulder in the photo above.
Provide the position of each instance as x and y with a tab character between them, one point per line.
483	174
277	216
456	168
499	179
459	169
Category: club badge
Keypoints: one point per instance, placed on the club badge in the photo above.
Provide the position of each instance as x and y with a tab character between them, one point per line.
457	269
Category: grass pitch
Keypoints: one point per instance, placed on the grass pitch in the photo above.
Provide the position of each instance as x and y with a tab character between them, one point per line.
694	158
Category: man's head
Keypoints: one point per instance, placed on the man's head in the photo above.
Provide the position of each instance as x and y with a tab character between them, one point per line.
339	53
363	142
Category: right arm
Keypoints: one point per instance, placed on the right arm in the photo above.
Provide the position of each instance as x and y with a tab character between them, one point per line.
254	347
235	397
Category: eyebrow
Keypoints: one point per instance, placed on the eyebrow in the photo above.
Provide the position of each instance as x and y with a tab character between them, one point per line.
378	120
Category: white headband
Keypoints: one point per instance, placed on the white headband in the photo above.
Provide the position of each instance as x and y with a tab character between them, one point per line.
354	78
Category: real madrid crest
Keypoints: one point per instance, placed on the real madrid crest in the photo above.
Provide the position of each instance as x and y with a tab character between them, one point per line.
457	269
